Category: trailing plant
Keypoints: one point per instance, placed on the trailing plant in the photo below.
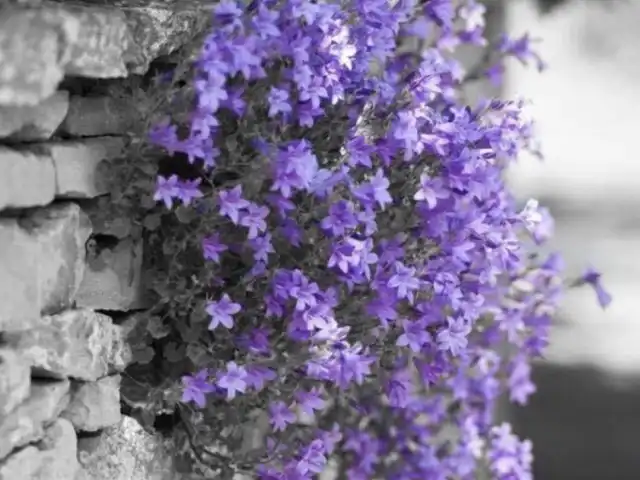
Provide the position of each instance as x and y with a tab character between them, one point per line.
334	249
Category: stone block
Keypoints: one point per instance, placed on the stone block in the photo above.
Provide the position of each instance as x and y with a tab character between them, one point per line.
79	344
95	116
28	179
76	165
54	458
34	123
126	452
42	254
94	405
113	280
27	423
15	380
42	43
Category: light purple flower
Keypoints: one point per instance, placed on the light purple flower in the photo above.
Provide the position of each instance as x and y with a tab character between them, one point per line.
222	312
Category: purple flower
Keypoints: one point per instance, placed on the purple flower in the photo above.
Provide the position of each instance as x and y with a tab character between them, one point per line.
280	416
254	219
212	247
233	380
415	335
278	102
222	312
310	401
592	277
195	387
341	218
454	336
404	281
232	203
167	189
431	190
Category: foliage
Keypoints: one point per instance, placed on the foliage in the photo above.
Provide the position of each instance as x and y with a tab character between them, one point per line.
334	245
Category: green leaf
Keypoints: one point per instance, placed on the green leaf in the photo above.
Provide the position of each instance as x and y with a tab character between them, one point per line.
196	354
151	222
156	328
185	214
143	355
173	352
120	227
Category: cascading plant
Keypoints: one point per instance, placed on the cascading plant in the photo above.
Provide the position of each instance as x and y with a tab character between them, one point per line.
359	271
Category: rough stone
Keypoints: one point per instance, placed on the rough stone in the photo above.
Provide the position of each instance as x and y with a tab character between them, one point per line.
94	405
79	344
95	116
42	254
104	220
112	279
54	458
76	165
39	45
126	452
27	423
29	58
27	180
42	42
33	123
15	380
159	28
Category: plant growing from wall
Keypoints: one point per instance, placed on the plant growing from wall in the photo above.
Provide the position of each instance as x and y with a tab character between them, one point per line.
333	244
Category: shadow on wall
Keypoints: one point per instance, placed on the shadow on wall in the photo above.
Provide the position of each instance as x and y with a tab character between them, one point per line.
583	426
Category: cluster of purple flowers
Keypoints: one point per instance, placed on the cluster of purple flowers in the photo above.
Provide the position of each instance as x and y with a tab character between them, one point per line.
393	293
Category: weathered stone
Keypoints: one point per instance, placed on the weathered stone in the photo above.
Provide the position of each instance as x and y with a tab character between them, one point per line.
94	405
54	458
94	116
104	220
27	423
39	45
42	254
159	28
29	58
76	165
126	452
32	123
112	279
79	344
27	179
15	380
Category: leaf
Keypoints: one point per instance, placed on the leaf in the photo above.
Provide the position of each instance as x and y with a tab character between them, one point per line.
196	354
156	328
185	214
151	222
120	227
173	352
143	355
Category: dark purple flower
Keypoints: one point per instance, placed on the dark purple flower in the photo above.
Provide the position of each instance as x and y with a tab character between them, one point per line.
195	387
593	277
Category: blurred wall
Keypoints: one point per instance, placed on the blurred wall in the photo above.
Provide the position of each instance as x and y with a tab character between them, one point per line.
585	417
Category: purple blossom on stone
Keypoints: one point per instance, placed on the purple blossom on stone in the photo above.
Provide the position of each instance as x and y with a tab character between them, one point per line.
254	218
222	312
280	416
233	380
593	277
278	102
167	189
195	388
232	203
212	247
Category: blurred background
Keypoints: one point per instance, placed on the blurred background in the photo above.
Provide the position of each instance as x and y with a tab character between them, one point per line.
585	418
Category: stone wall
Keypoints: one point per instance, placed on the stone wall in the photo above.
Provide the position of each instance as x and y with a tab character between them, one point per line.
61	353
